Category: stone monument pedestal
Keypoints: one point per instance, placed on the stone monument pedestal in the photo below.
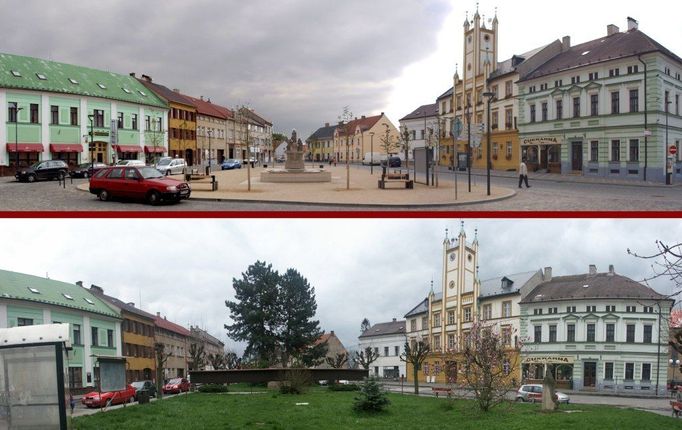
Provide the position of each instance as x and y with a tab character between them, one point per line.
294	168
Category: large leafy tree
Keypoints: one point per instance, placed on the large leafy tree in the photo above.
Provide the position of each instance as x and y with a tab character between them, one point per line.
274	314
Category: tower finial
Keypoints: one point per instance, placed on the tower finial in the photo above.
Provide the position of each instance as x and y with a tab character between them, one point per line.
476	234
432	285
446	234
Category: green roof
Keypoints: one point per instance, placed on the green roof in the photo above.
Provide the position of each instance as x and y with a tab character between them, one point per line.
27	73
19	286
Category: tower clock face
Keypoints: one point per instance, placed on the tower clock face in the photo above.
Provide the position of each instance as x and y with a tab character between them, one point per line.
452	257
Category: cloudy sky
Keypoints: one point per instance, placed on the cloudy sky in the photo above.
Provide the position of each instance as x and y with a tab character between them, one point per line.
299	62
377	269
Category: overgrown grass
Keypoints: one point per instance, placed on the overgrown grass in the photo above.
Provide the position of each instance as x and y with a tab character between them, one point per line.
334	410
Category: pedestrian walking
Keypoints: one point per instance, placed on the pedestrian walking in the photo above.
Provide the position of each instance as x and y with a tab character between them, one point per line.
72	402
523	173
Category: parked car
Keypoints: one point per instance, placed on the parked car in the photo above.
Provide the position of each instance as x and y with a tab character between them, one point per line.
373	158
145	183
171	166
144	386
130	163
533	393
86	170
95	400
231	164
392	162
176	386
50	169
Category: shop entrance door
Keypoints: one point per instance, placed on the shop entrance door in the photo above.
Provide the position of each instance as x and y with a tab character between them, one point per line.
590	374
577	156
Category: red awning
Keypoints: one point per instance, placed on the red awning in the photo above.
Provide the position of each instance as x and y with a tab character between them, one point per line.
154	149
127	148
25	147
66	147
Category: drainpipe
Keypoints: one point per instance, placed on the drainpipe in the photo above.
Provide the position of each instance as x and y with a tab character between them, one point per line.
646	121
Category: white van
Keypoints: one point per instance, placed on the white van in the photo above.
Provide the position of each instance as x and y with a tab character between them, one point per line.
373	158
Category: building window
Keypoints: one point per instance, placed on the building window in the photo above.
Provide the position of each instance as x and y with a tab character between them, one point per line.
396	351
629	371
494	120
24	322
552	333
594	104
570	333
648	309
413	325
99	118
74	116
134	121
634	100
467	314
452	342
34	113
451	317
576	107
615	102
77	334
120	122
610	308
425	323
570	309
608	371
147	123
615	150
634	150
436	319
75	377
532	113
537	311
508	89
559	109
95	334
647	334
633	69
631	309
110	338
537	335
506	335
594	151
610	332
630	333
436	342
506	309
646	372
385	351
590	332
54	117
487	312
544	111
590	308
12	113
614	72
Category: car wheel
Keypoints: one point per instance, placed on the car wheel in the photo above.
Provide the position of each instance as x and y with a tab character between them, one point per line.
61	175
85	175
153	198
519	399
31	178
168	172
103	195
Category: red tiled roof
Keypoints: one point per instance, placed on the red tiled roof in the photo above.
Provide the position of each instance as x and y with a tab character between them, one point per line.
205	107
170	326
364	124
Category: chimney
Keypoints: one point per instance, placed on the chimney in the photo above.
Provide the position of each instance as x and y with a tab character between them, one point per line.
612	29
363	117
326	124
332	332
147	78
132	74
593	269
96	289
201	98
79	283
566	43
611	270
158	314
548	274
632	24
382	114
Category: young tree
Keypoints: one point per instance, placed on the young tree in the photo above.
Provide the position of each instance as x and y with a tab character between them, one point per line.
161	357
197	357
388	144
217	361
344	130
487	367
339	361
232	361
254	312
415	356
365	325
366	357
404	143
297	330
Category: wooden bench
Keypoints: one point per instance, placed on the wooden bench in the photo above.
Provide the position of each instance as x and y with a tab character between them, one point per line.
398	176
444	390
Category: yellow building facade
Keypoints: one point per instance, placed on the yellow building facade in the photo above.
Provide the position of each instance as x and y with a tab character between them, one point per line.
363	135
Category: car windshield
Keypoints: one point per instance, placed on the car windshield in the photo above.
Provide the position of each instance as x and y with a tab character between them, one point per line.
175	381
122	163
85	165
231	161
164	161
35	165
150	173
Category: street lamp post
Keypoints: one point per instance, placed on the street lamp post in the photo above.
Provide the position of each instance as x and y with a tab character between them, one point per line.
17	109
468	113
371	154
491	96
209	132
92	142
668	170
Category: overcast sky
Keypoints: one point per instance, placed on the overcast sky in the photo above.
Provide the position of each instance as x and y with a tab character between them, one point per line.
378	269
299	62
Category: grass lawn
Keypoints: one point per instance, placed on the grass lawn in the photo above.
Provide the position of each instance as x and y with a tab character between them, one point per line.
333	410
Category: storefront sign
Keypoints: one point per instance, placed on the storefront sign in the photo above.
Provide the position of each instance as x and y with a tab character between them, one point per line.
548	359
540	141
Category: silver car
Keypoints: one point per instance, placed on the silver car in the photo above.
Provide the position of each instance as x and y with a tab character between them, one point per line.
533	393
171	166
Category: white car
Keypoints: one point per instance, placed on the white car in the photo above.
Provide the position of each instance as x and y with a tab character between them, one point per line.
130	163
533	393
171	166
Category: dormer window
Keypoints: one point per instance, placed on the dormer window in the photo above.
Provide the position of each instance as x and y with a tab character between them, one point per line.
67	297
142	93
101	85
126	90
16	74
34	290
41	76
73	81
89	301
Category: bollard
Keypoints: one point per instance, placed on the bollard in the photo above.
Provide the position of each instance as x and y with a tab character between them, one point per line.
214	183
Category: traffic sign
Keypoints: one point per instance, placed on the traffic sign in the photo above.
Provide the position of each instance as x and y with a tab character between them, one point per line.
672	149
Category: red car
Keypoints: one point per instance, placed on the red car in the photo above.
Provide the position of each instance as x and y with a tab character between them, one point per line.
176	386
137	182
94	400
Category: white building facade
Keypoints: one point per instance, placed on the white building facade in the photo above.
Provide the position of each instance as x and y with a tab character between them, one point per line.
388	340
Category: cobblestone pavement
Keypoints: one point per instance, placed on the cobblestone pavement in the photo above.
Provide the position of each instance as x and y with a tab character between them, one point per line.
548	193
